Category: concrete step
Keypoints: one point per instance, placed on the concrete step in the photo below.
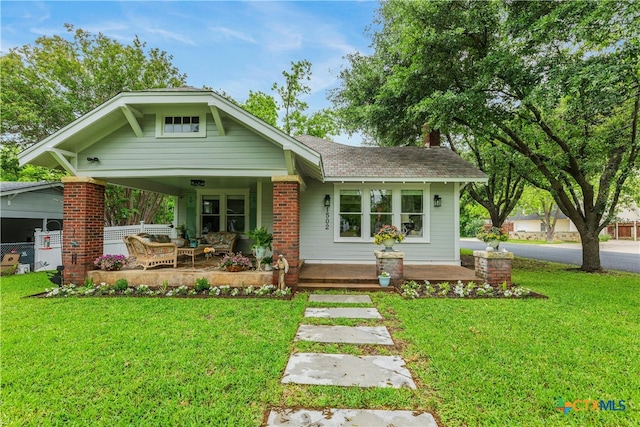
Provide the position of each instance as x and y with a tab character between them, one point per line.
341	299
343	312
376	335
339	417
346	370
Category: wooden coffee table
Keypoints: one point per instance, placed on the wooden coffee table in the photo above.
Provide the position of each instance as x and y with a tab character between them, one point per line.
192	252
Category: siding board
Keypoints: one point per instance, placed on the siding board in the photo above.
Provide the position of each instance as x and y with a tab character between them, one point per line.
239	149
317	244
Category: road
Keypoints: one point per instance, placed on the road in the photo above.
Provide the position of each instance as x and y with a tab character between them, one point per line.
614	255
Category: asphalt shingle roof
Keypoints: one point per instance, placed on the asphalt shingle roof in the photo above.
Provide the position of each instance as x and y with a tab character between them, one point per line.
11	186
344	161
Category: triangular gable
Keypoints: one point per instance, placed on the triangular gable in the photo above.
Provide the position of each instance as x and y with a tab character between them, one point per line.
61	148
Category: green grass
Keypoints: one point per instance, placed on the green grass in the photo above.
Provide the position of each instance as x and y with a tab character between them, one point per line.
162	361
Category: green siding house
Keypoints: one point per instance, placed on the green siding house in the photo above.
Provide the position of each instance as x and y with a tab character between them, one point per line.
229	170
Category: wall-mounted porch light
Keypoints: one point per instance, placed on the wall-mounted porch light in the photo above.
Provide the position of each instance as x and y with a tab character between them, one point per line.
327	201
437	201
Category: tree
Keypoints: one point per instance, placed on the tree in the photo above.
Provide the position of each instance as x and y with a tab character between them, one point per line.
262	106
502	191
540	203
321	123
47	85
554	83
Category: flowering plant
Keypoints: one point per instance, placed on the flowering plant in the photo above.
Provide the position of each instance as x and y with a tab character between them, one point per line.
385	274
235	260
493	233
110	262
208	251
388	232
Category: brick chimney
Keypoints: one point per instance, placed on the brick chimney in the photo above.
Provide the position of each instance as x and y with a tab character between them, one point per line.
431	138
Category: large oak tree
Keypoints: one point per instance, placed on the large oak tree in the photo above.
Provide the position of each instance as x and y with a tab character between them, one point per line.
556	83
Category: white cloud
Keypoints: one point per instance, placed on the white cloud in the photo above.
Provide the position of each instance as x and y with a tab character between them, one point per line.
228	33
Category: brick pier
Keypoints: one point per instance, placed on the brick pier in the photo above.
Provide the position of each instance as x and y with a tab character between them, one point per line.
493	267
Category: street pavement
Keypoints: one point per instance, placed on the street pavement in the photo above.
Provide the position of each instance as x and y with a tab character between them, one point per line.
622	255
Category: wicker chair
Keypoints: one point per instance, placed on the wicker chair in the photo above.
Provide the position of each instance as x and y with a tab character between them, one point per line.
224	242
150	254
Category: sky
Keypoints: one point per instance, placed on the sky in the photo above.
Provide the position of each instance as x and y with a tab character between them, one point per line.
233	46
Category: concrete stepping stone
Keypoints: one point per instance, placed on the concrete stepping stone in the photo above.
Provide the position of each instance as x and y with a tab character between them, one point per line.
344	334
352	313
347	299
349	418
347	370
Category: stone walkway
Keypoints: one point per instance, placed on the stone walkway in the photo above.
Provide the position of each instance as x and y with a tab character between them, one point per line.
346	370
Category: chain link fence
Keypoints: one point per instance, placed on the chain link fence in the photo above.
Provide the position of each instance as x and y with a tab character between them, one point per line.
25	249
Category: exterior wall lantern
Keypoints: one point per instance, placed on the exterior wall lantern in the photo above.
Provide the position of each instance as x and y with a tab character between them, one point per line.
437	201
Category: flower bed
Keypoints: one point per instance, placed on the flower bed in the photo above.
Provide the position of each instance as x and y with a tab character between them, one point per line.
120	288
413	290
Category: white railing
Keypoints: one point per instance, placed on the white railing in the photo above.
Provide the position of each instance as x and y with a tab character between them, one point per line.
48	244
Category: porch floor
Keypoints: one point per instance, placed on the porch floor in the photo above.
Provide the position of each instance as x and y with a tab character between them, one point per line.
360	277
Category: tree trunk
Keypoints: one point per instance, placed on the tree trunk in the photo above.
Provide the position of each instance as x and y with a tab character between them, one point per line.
590	253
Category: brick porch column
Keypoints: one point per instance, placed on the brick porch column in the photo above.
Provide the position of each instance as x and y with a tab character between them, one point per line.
286	224
493	267
83	235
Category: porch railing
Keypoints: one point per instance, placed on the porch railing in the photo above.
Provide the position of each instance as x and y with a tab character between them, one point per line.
48	244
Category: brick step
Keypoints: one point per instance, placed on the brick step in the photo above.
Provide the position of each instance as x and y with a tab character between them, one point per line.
362	287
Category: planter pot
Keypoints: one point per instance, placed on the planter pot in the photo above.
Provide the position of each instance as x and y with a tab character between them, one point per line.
384	281
388	244
260	251
235	268
495	244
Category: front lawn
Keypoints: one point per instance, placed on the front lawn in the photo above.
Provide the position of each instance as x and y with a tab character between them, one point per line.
163	361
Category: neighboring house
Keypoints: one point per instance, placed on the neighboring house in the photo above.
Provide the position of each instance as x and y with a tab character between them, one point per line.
531	227
627	225
25	206
229	170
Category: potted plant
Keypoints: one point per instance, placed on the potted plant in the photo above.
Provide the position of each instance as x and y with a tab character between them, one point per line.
388	235
267	262
110	262
261	241
235	262
181	229
384	279
493	236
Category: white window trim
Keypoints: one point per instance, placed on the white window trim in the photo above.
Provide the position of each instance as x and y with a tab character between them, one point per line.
366	210
222	194
202	130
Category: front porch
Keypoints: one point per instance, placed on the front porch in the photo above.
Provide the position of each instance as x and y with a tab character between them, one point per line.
360	277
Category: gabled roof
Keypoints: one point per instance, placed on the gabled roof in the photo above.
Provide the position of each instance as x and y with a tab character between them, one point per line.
126	108
401	164
14	187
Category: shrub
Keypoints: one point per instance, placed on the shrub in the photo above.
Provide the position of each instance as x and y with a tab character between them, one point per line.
202	284
120	285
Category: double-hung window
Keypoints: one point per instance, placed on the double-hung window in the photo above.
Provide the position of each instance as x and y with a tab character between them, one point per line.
363	209
225	211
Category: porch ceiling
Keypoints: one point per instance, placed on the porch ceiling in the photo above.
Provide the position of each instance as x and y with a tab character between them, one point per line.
177	185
